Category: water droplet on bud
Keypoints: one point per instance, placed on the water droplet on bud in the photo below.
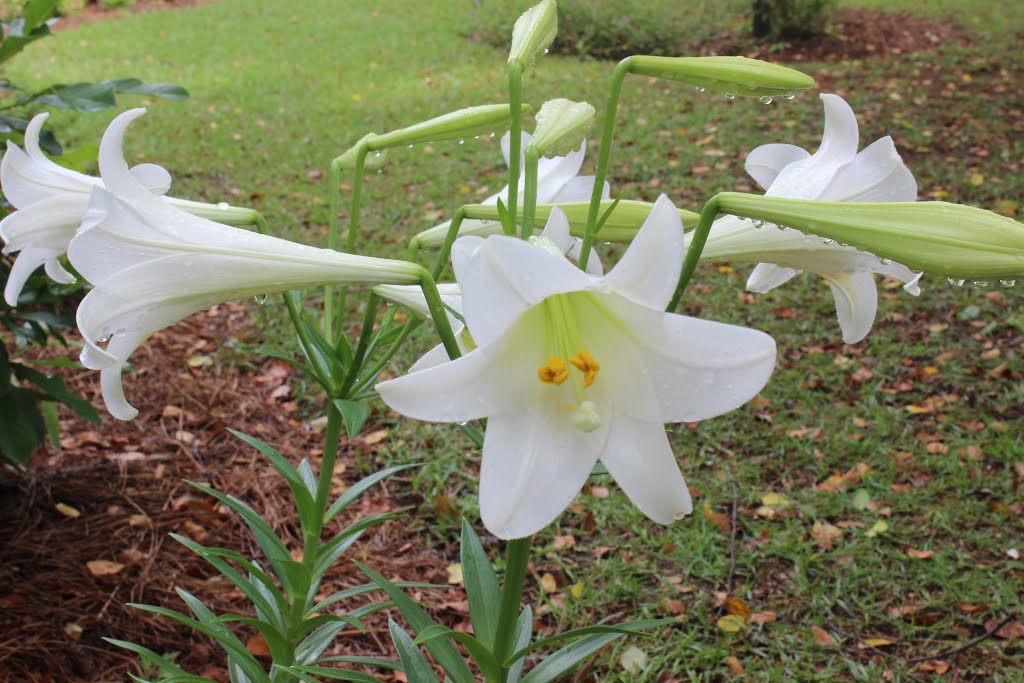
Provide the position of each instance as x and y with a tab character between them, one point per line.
1007	283
982	283
956	282
766	100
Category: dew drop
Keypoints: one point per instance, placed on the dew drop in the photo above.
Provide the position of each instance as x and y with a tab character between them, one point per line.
376	154
462	423
700	89
223	205
956	282
826	240
884	261
757	223
982	283
461	141
766	100
104	338
260	299
491	135
790	96
546	50
730	96
411	146
1007	283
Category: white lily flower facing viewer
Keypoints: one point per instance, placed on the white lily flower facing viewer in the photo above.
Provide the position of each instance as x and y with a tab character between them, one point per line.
569	368
835	172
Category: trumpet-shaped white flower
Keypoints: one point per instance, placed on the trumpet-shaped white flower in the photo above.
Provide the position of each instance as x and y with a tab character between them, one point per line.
569	368
557	181
838	173
51	201
152	264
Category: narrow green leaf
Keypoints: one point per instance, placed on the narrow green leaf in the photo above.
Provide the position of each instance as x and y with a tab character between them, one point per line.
55	389
305	672
22	428
354	413
626	628
606	215
378	662
442	650
165	665
521	638
569	656
481	586
356	490
417	668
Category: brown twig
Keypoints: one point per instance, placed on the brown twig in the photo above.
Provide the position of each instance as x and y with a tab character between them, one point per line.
966	646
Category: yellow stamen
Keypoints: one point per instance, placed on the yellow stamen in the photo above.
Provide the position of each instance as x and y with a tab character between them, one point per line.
585	363
554	372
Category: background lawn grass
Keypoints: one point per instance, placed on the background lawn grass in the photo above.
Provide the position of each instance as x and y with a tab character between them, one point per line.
917	427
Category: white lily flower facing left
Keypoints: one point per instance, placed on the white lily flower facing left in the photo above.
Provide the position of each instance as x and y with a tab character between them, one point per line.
51	201
569	368
835	172
151	265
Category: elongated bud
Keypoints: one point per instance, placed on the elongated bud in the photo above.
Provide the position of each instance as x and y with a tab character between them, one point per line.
457	125
957	241
534	31
561	126
730	76
620	226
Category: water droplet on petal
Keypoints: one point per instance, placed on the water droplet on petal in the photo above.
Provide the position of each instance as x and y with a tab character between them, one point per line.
826	240
757	223
884	261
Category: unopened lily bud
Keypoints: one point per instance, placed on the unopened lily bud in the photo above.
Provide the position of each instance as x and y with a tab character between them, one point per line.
534	32
621	225
957	241
561	126
730	76
457	125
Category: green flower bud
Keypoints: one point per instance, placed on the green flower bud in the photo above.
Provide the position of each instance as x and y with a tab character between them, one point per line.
534	31
940	238
729	76
561	126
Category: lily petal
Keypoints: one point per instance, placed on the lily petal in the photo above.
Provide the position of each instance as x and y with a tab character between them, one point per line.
579	189
648	271
856	302
504	278
765	163
532	468
637	454
877	174
767	276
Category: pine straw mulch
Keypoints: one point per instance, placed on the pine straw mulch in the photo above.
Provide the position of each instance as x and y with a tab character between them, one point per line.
65	582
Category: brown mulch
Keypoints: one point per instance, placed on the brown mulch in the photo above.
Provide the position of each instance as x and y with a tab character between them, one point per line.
854	33
94	11
126	481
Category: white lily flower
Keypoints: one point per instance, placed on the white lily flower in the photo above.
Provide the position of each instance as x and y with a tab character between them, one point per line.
51	201
152	265
570	368
557	181
838	173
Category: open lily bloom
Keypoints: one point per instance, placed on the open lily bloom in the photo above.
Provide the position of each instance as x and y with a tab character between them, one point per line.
838	173
557	181
570	368
152	265
51	201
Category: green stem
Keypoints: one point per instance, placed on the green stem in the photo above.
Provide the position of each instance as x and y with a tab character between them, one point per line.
697	239
334	199
607	133
517	554
449	240
515	141
439	314
529	192
369	317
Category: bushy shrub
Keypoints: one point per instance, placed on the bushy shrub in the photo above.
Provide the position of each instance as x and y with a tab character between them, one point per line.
791	19
611	30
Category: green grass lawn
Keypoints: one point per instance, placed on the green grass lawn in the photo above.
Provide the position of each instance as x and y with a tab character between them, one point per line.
909	546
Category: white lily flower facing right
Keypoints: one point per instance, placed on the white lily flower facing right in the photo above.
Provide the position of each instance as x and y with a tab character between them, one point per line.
838	173
570	368
151	265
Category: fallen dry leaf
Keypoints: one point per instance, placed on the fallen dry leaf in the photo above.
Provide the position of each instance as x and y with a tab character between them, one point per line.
731	623
719	519
736	607
1010	631
735	667
67	510
870	643
935	666
548	583
257	646
763	618
916	554
822	638
103	567
454	573
825	534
